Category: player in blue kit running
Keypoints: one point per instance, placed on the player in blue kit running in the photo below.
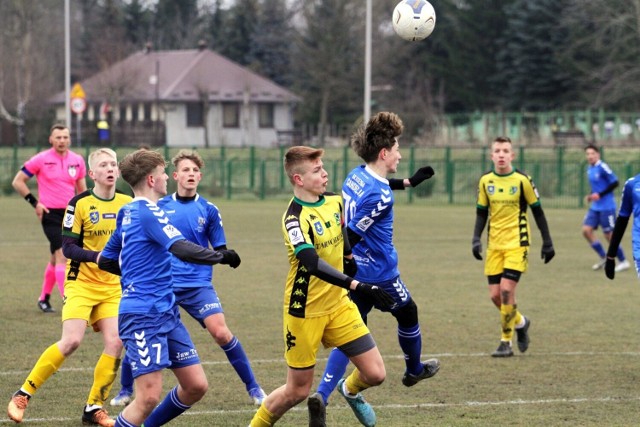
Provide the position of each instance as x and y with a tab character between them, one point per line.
368	200
200	222
629	205
154	338
602	212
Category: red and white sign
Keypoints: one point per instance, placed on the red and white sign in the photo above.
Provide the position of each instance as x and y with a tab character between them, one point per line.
78	99
78	105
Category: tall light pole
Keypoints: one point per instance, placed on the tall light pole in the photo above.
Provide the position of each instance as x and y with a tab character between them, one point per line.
367	65
67	65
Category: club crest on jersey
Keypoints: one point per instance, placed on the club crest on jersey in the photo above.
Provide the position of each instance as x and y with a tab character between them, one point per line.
94	217
513	190
491	189
201	223
336	216
318	227
364	223
295	236
126	219
72	170
68	219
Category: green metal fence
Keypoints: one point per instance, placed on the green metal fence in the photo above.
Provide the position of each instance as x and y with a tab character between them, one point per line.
251	173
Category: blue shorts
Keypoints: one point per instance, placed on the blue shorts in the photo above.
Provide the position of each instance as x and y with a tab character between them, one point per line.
394	287
153	342
604	219
200	302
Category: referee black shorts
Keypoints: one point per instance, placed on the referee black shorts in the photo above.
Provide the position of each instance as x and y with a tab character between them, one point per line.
52	226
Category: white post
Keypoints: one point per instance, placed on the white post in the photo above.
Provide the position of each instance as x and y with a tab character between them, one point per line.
67	65
367	66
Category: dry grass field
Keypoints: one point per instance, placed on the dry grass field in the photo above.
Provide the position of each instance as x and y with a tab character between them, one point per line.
581	368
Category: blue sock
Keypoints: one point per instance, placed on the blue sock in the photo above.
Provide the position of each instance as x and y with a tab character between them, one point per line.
620	254
410	341
126	376
121	422
240	362
167	410
597	246
333	372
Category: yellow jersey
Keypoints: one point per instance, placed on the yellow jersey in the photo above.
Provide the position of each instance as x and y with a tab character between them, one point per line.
92	221
319	226
507	197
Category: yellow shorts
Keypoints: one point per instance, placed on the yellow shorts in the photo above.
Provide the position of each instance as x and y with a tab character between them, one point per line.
90	302
302	337
513	259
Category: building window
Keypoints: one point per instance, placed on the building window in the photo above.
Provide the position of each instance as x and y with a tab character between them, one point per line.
195	114
265	115
231	115
147	112
134	113
122	113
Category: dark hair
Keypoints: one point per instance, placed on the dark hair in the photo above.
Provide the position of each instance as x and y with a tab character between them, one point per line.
503	139
58	126
380	132
592	147
136	166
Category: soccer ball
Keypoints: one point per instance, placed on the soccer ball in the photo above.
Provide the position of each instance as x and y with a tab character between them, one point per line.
414	20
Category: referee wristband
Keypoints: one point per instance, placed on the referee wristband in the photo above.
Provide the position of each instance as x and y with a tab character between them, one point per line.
31	200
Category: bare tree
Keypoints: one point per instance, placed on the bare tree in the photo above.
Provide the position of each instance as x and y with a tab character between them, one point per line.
24	54
605	50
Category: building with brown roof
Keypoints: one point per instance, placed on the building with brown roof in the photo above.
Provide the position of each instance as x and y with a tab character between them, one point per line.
191	98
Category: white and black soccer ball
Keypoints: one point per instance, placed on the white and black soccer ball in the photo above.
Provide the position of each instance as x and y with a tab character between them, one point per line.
414	20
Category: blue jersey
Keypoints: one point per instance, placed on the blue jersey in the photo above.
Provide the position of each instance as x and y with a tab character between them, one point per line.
199	221
630	205
600	177
141	243
368	202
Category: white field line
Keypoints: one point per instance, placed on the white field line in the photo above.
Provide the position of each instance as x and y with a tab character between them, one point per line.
386	357
301	407
468	404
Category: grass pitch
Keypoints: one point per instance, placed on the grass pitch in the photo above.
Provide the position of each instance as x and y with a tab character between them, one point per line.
581	367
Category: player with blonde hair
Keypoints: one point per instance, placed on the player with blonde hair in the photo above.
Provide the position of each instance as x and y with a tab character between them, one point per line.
92	296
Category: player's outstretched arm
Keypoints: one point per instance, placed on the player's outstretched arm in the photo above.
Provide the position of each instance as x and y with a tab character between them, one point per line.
481	220
616	237
322	270
547	252
190	252
416	179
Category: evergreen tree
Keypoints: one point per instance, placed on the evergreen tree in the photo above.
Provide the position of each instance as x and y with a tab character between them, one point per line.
178	25
529	68
271	42
329	65
237	31
603	52
137	21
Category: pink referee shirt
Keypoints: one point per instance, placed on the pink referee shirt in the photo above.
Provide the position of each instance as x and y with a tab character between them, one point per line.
56	176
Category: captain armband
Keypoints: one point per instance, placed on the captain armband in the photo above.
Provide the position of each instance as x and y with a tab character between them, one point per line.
31	200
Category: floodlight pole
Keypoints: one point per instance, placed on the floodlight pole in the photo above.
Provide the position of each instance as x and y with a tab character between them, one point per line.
367	65
67	65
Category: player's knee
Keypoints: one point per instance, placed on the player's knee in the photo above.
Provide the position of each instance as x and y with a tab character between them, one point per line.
221	335
147	401
496	300
407	315
68	345
376	378
296	394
